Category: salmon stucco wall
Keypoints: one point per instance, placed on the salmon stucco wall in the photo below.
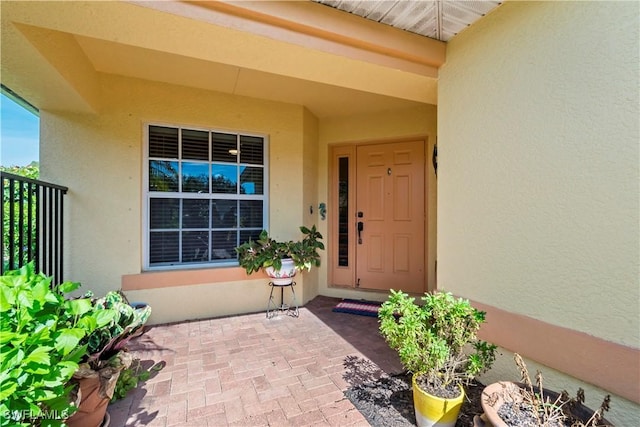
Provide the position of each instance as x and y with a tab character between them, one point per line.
418	122
99	157
538	183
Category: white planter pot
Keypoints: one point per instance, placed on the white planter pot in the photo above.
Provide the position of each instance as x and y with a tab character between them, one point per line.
284	276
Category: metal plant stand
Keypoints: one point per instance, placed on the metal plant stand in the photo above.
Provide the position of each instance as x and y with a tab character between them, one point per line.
274	309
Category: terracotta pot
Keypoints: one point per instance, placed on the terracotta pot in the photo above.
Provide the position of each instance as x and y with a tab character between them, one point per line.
95	390
493	397
285	275
93	407
433	411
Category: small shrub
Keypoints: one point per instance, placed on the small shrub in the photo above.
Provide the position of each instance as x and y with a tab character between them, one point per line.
436	340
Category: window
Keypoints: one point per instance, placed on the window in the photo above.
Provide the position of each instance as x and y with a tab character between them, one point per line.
205	195
342	215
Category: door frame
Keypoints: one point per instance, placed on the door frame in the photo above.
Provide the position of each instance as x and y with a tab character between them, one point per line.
345	276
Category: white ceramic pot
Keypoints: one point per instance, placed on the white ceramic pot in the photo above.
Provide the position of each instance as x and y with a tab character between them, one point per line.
284	276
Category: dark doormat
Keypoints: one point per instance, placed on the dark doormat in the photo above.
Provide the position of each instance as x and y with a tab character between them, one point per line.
360	307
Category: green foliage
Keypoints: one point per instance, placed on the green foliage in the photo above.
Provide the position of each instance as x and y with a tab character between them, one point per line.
41	342
46	338
130	377
267	252
11	200
437	339
31	171
119	322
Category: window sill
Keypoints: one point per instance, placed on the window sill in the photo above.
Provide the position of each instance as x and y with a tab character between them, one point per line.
173	278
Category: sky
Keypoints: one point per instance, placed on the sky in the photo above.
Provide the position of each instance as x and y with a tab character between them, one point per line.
19	134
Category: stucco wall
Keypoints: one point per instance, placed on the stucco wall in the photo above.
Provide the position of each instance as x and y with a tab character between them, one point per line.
538	192
417	122
102	165
309	207
99	157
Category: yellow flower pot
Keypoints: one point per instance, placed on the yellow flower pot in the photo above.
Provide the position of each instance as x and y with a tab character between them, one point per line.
433	411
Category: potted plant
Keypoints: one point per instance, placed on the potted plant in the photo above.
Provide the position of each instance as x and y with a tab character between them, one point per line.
281	260
43	341
53	345
106	355
507	404
437	342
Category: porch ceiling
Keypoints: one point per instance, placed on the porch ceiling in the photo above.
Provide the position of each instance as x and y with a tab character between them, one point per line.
437	19
332	62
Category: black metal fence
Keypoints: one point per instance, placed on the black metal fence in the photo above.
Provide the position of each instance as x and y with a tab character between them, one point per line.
32	224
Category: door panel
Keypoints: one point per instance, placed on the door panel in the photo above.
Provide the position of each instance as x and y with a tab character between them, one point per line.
375	206
375	254
390	195
401	253
402	198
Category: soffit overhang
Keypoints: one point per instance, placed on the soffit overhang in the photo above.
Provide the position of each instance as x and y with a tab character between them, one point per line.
297	52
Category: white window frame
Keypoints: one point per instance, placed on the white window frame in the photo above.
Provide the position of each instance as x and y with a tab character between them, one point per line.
148	195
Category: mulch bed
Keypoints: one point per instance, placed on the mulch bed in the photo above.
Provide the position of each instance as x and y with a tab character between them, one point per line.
388	401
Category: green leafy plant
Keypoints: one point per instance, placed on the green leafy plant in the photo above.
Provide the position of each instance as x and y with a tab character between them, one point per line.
126	323
49	340
130	378
43	338
106	356
437	341
267	252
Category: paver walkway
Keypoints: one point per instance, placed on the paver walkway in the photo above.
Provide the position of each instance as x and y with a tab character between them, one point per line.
251	371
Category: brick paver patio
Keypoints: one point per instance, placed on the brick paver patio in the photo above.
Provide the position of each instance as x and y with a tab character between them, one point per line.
251	371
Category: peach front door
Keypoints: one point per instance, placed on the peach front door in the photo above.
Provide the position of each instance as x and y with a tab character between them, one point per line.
390	216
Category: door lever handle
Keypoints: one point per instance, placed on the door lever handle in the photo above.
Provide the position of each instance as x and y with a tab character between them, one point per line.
360	228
